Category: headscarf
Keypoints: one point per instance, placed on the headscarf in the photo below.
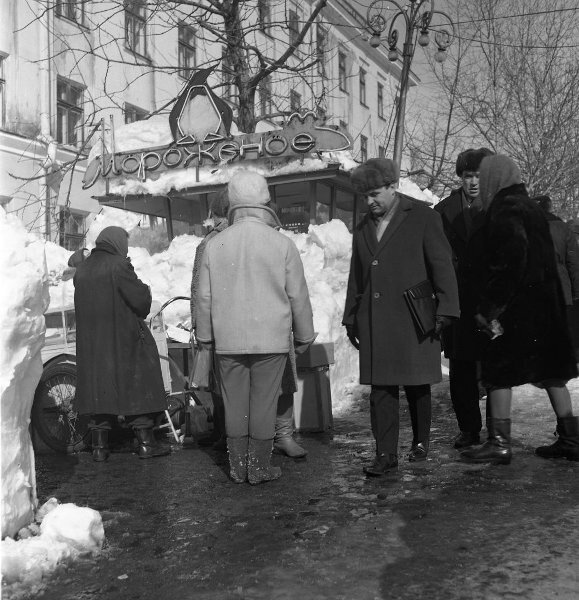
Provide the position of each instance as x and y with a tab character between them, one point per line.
497	173
114	240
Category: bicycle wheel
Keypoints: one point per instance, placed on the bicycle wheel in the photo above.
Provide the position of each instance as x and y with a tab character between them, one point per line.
53	416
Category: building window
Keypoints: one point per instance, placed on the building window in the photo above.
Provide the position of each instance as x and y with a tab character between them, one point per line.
2	90
136	26
293	26
73	10
134	113
342	72
321	49
381	152
187	53
380	100
322	114
228	76
295	101
71	229
69	113
265	104
363	148
343	125
363	87
264	16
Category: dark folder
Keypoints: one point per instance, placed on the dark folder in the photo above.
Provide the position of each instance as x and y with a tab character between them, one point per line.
421	301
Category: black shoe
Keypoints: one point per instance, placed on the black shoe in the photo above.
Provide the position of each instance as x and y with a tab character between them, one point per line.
466	438
381	465
418	452
100	445
148	446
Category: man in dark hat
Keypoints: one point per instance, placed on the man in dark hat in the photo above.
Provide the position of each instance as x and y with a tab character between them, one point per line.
397	245
462	217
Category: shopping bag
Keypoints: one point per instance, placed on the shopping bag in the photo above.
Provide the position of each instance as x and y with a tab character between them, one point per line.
202	365
421	301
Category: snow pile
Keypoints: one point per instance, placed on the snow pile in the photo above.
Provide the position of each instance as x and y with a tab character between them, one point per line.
24	299
60	534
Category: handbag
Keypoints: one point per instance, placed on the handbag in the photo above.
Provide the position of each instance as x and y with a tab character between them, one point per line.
422	303
202	367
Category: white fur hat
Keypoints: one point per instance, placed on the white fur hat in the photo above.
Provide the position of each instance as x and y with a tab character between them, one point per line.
247	187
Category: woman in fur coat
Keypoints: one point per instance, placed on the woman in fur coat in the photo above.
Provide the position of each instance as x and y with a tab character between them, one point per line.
522	309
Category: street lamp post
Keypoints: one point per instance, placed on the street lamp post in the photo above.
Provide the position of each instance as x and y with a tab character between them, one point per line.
418	22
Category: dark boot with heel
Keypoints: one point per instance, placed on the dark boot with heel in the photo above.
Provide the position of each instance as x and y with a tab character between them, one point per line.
148	445
100	445
497	448
567	444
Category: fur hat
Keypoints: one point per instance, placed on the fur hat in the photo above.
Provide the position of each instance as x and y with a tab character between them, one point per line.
470	160
247	187
374	173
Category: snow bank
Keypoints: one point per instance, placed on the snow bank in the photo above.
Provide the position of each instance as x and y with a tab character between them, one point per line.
24	299
62	533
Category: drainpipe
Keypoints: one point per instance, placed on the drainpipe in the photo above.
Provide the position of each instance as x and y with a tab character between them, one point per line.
45	20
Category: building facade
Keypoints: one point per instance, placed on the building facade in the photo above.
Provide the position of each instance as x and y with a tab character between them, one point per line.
66	66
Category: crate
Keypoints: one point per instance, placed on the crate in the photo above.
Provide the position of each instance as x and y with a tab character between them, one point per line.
313	400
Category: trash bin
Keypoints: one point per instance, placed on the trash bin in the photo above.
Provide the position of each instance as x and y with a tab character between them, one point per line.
313	400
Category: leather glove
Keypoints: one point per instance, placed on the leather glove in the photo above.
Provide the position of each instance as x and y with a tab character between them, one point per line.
351	333
442	322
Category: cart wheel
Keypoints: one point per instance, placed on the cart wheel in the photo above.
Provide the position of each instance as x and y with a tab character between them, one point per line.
53	416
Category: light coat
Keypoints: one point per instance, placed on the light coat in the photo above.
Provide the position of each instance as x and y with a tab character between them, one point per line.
252	290
413	248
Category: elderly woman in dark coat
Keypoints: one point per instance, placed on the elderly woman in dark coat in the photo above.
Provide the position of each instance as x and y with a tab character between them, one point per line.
397	245
118	367
522	309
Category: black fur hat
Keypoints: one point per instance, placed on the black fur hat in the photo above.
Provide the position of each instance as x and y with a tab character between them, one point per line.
470	159
374	173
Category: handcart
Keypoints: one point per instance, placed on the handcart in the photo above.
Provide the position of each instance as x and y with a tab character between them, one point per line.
54	420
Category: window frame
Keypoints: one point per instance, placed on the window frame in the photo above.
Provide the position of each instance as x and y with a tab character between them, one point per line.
381	152
75	5
132	18
139	113
228	76
65	217
264	16
342	71
363	148
69	107
3	58
293	25
295	97
185	48
380	100
321	49
362	76
265	97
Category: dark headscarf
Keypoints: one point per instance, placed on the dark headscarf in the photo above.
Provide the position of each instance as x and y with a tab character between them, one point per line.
114	240
497	173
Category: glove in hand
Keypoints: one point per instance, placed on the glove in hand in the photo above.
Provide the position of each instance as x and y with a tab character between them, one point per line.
442	322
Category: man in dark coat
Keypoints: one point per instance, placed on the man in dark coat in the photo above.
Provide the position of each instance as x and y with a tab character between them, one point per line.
567	257
118	367
462	218
397	245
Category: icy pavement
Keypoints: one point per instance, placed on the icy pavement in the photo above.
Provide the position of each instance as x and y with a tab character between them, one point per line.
176	527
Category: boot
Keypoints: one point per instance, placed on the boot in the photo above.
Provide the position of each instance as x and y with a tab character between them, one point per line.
283	442
497	448
567	446
100	445
381	465
418	452
148	446
237	448
259	468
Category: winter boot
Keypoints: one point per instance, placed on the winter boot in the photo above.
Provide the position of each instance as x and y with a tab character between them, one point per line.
283	442
237	448
100	445
567	446
497	448
148	445
259	468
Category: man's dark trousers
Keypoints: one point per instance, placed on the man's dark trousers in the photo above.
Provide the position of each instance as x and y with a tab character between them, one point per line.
464	394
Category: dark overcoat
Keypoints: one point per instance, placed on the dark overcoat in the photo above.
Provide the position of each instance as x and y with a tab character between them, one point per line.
461	340
523	292
118	367
413	248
